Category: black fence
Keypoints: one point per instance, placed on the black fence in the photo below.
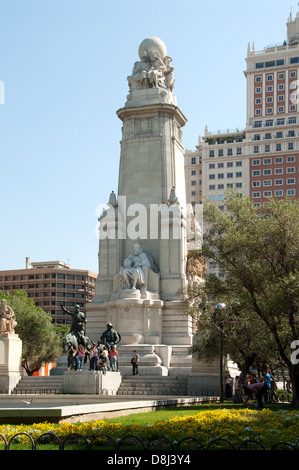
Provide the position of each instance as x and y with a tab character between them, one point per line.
77	441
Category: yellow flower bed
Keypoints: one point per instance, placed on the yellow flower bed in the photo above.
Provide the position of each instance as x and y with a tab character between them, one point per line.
265	426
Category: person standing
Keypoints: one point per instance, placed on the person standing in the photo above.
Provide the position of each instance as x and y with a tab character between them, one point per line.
135	362
104	356
94	358
71	358
80	357
228	386
267	380
113	358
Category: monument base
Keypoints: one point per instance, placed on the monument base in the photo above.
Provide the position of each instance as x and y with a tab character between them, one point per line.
90	382
10	362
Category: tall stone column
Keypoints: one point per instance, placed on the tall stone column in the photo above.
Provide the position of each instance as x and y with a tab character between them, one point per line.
149	209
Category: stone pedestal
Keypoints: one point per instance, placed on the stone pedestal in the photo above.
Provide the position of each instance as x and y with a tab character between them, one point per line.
90	382
204	378
10	362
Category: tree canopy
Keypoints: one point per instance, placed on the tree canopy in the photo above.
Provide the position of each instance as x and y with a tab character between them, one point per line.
41	339
257	250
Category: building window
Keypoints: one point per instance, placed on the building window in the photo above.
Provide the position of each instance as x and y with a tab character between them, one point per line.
256	173
239	174
256	194
281	76
269	89
258	90
229	152
278	171
212	187
193	183
280	122
211	177
281	98
269	99
267	193
267	161
258	112
281	87
238	185
258	100
211	153
211	166
256	162
220	153
291	170
267	148
220	165
256	184
239	150
193	160
256	149
291	158
278	192
291	192
267	183
230	175
258	79
267	172
278	147
239	163
269	78
278	182
281	109
278	160
268	136
229	164
269	122
220	175
290	180
220	186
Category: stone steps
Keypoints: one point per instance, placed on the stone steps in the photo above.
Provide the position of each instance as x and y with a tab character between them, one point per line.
152	385
39	384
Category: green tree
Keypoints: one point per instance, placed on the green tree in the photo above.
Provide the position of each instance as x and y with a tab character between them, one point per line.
258	251
41	340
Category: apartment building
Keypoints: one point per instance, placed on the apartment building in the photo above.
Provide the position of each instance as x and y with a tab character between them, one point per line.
272	126
50	284
260	160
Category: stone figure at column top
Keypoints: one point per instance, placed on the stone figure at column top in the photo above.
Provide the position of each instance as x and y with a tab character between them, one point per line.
132	272
7	318
153	69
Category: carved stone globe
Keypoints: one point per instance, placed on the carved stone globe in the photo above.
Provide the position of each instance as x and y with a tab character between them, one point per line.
152	44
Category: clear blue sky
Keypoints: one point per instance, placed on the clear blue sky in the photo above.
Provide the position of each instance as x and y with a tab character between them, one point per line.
64	65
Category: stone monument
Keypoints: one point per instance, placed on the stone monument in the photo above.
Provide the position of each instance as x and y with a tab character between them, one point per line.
143	231
10	350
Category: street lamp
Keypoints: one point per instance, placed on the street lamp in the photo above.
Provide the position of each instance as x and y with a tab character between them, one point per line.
219	307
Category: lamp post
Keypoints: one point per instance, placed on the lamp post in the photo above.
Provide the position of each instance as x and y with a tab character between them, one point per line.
219	307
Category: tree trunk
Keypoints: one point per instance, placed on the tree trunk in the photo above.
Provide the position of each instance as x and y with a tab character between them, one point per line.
294	376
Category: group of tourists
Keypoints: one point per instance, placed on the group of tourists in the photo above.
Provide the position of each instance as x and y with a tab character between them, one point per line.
99	358
258	387
261	388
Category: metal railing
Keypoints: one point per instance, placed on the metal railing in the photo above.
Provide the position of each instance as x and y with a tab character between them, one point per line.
77	441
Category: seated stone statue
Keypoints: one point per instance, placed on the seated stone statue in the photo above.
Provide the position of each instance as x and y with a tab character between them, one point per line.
7	318
132	272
